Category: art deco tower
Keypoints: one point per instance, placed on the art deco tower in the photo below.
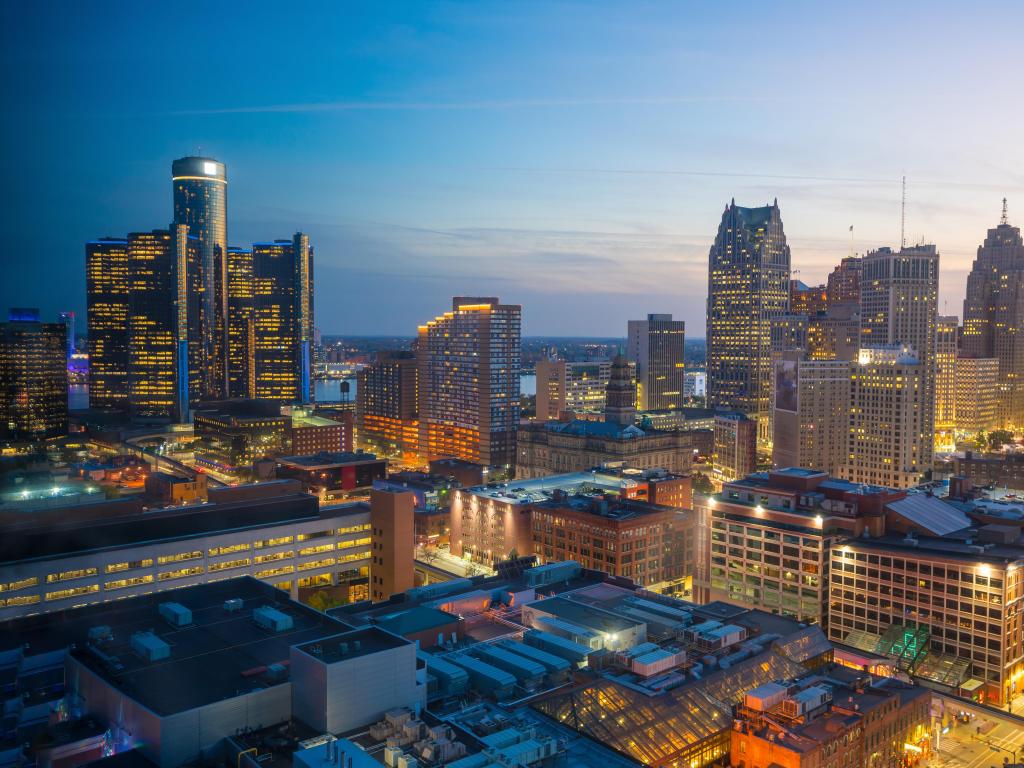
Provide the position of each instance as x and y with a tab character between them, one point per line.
994	314
748	285
200	202
620	398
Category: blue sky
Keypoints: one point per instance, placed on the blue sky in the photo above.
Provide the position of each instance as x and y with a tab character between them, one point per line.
570	156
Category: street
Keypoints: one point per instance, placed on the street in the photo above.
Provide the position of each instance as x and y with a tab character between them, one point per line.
964	747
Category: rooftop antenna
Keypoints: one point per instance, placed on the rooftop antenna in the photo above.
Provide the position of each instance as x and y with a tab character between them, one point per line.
903	215
851	241
1005	221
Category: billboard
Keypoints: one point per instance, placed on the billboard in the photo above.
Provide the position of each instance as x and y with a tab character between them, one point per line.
787	384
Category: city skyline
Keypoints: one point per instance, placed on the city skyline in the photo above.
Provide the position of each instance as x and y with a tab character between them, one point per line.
437	151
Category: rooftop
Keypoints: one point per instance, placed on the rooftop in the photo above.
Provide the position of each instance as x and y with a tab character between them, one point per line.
47	536
543	488
352	644
956	546
218	655
328	459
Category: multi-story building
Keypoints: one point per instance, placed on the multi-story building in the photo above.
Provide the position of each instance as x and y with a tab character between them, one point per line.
241	323
200	186
387	405
695	384
392	540
834	334
107	292
976	394
570	386
656	345
82	555
899	306
807	299
811	421
33	377
748	285
994	314
469	364
889	441
283	319
735	447
831	720
309	433
334	475
235	433
947	338
771	535
844	282
1005	470
951	602
164	348
654	546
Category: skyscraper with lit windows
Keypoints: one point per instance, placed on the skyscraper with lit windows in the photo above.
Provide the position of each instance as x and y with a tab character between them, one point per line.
107	294
469	360
33	377
656	346
994	314
748	286
283	319
241	324
200	202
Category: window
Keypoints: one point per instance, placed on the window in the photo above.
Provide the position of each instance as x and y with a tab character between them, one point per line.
62	594
163	559
229	549
129	565
13	586
229	564
181	573
130	582
80	573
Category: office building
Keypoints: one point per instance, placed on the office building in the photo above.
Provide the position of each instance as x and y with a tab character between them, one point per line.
570	386
235	433
387	405
994	314
735	447
748	285
811	421
947	338
771	535
834	334
976	394
392	541
898	306
107	295
695	384
807	299
656	346
943	606
200	186
68	318
652	545
889	442
283	319
33	377
844	282
93	553
469	364
241	323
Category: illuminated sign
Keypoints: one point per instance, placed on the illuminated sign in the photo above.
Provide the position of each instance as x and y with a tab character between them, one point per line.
210	169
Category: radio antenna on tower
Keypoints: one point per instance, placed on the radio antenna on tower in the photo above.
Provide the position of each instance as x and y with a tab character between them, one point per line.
903	215
1005	219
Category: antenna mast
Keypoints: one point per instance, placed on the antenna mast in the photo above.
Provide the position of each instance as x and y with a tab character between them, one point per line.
903	215
1005	219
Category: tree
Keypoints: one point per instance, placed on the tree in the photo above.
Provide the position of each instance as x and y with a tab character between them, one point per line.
997	438
701	484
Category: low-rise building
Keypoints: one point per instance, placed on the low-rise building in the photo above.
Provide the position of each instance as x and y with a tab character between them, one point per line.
66	558
172	490
334	475
1000	470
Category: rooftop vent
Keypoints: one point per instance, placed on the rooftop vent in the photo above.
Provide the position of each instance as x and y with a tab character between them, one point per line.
271	618
175	614
149	646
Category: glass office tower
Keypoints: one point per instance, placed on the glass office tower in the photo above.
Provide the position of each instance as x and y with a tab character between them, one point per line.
200	202
33	376
241	335
283	319
107	296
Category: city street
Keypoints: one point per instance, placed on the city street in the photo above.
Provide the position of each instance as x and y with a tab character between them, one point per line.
1000	741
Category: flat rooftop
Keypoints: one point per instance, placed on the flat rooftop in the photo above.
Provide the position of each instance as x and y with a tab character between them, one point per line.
328	459
953	546
219	655
542	488
585	615
352	644
36	537
311	420
614	509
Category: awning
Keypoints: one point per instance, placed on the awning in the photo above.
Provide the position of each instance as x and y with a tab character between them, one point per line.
972	685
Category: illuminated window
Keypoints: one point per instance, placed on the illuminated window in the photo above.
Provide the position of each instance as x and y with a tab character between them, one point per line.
163	559
228	550
181	573
81	573
20	584
61	594
272	542
132	582
130	565
228	564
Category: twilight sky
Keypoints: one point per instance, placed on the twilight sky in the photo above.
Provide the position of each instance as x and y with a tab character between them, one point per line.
573	157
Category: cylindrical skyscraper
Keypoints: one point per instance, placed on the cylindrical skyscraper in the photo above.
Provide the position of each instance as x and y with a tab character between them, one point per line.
201	202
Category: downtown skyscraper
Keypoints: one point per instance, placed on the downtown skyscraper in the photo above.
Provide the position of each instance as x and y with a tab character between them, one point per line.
899	294
200	202
994	315
656	346
469	361
33	377
748	286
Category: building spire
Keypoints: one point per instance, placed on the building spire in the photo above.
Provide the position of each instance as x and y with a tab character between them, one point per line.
1004	220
